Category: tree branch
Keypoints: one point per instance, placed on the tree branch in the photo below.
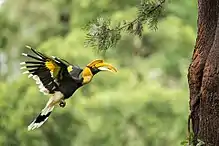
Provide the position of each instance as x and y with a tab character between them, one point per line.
103	36
137	19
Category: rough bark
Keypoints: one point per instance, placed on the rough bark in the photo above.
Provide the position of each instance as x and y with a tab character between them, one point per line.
203	75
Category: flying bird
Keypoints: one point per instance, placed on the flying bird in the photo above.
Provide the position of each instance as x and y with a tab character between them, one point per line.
58	79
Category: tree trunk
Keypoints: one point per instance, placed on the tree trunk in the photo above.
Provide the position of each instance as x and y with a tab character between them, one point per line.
203	75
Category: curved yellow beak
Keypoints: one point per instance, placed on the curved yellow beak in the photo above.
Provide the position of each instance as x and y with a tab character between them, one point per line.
94	62
106	67
101	65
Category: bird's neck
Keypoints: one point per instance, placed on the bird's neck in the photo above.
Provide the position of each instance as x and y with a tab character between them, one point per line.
87	75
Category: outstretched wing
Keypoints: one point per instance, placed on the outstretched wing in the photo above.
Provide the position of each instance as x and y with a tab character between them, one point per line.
47	71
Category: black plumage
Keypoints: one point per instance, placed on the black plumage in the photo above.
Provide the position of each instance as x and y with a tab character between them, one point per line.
58	78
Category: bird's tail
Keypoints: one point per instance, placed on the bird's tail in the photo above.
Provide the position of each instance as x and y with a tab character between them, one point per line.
43	116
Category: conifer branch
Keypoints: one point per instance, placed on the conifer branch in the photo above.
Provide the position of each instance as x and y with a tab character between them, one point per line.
102	35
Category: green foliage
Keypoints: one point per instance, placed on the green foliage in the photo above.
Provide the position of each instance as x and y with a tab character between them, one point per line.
186	143
144	104
103	36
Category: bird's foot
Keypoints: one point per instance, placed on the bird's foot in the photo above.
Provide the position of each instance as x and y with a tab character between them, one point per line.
62	103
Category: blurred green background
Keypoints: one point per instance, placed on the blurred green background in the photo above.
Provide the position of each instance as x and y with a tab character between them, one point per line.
144	104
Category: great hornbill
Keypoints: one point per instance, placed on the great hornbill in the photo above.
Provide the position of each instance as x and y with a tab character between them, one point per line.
59	79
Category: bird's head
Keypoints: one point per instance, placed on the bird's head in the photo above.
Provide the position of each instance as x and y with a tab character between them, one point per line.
95	67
